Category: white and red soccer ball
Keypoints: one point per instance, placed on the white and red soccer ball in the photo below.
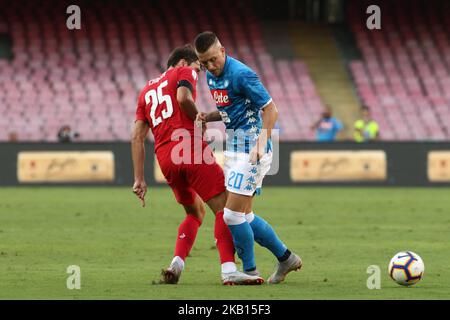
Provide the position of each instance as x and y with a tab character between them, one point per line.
406	268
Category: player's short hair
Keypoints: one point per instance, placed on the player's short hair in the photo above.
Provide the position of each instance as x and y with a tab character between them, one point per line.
204	41
185	52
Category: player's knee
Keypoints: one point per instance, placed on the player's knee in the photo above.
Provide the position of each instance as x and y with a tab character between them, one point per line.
199	213
232	217
217	203
238	202
196	210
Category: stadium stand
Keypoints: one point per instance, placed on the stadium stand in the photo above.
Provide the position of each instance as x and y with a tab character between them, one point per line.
404	75
90	78
315	43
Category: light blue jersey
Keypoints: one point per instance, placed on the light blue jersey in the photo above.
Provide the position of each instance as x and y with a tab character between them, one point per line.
239	96
328	129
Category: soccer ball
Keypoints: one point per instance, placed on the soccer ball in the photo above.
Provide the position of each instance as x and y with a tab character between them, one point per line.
406	268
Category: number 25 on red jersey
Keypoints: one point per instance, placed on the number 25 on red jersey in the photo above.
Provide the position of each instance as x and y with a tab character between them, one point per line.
156	98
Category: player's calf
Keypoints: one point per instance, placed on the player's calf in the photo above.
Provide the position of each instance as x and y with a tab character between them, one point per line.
266	236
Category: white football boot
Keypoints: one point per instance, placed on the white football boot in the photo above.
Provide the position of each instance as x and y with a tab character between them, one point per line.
172	274
253	273
283	268
240	278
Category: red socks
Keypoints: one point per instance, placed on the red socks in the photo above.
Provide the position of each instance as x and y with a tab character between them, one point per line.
224	240
187	232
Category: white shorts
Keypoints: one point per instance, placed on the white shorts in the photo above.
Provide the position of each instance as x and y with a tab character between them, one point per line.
241	176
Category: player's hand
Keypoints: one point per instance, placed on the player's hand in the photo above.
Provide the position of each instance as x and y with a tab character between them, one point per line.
200	118
256	153
140	189
200	122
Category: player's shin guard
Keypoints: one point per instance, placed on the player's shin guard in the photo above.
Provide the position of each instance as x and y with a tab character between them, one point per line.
187	232
242	237
224	239
266	236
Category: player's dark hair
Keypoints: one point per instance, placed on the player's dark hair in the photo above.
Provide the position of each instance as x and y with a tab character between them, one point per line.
185	52
365	108
204	41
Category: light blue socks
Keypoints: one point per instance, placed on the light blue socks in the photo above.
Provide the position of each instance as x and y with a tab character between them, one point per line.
242	237
265	235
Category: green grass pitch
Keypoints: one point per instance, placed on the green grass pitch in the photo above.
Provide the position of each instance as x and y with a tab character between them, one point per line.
121	247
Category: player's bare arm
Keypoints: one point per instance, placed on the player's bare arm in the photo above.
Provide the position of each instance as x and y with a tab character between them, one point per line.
209	117
269	117
213	116
140	132
186	102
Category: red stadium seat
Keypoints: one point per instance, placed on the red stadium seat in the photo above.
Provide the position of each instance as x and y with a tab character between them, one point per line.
404	71
90	78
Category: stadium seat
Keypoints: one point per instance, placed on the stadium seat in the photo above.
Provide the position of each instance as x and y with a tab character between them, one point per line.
90	78
404	71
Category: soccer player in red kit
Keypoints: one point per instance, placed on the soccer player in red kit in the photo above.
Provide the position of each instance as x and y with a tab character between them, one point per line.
167	106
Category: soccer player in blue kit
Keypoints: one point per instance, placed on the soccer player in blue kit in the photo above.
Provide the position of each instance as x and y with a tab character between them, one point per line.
249	115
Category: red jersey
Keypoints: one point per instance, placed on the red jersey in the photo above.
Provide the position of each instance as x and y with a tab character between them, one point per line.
158	105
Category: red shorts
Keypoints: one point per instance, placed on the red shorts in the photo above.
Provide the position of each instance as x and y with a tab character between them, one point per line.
188	179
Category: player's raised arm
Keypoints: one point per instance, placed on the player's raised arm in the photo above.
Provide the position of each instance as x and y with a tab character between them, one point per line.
140	132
